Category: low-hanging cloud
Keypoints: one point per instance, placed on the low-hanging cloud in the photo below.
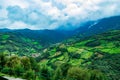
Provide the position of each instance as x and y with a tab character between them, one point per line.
51	14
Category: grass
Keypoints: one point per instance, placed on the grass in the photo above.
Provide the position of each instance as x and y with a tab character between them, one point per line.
76	61
60	58
53	51
81	44
43	62
1	74
111	50
86	54
72	49
5	36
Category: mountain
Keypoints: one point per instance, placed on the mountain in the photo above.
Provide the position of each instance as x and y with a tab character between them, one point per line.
99	26
28	42
45	37
48	37
17	44
100	52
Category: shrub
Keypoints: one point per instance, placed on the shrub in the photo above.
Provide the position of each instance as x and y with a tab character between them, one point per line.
45	72
96	75
75	55
19	70
76	73
25	61
117	43
93	43
29	75
58	74
2	60
7	70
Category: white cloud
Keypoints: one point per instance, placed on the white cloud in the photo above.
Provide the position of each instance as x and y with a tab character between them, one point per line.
21	3
18	25
42	14
3	13
4	23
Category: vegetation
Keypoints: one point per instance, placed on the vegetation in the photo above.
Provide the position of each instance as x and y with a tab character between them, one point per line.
12	44
91	55
80	59
19	66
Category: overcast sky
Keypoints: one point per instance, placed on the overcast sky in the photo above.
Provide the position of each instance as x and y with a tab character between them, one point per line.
51	14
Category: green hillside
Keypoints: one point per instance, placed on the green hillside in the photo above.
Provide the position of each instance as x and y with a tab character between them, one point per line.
99	52
17	44
91	58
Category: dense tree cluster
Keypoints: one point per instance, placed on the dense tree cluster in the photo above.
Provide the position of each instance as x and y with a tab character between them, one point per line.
19	66
28	68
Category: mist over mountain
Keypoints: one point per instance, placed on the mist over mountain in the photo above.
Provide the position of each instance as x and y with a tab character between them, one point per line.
99	26
89	28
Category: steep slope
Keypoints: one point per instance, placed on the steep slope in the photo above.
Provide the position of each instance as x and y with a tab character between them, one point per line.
11	43
101	52
99	26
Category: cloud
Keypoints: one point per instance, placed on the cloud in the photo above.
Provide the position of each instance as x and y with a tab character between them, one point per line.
18	25
51	14
15	13
0	7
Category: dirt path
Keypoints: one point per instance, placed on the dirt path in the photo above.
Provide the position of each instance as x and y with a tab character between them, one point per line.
12	78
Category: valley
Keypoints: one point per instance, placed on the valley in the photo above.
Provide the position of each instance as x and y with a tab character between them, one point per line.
63	54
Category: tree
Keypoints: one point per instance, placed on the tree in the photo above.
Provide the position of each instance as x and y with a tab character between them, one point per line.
93	43
2	60
58	74
29	75
64	67
25	61
7	70
45	72
97	75
13	65
76	73
19	70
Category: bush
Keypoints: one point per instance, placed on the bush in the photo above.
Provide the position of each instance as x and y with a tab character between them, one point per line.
117	43
7	70
97	75
25	61
58	74
76	73
93	43
2	60
45	73
29	75
75	55
61	48
19	70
